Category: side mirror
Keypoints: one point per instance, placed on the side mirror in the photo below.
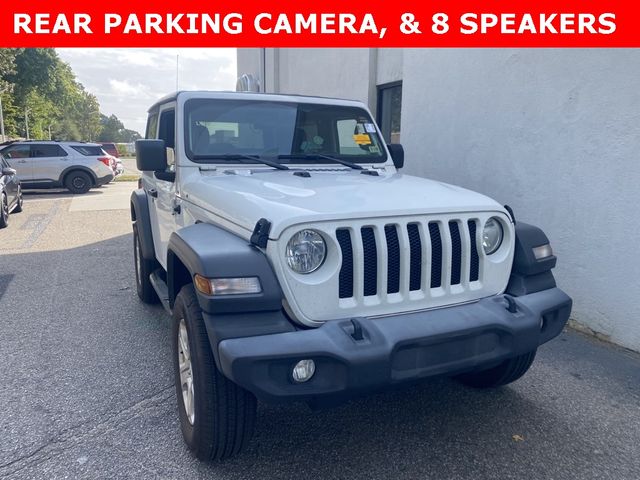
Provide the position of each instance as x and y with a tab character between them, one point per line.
397	154
151	155
9	172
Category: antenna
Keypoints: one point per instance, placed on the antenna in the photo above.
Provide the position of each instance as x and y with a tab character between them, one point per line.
177	70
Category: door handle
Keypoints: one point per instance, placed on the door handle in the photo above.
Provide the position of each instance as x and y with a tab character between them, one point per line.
22	161
153	192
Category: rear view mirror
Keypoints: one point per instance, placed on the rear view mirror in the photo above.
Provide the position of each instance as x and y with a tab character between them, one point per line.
151	155
397	154
9	172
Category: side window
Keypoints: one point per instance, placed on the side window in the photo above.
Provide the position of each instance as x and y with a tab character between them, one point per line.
152	126
3	163
47	150
167	130
389	111
17	151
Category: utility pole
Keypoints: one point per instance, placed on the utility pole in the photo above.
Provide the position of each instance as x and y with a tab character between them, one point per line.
49	132
26	121
2	117
177	70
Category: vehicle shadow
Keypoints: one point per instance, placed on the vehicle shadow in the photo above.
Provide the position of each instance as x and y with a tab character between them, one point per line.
437	429
59	193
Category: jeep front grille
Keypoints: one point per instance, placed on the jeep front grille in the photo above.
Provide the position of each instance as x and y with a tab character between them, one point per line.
381	266
398	258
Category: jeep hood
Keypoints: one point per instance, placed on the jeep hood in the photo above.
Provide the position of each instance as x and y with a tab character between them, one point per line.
286	199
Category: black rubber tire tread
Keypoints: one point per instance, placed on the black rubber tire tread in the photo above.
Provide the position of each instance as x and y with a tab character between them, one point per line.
4	221
507	372
68	182
145	289
225	420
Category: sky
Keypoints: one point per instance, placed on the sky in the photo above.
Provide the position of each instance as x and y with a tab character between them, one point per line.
127	81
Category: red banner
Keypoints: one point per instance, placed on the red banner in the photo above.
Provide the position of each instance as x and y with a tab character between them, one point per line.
329	23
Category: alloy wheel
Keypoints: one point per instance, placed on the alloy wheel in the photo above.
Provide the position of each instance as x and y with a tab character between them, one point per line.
78	182
186	372
138	262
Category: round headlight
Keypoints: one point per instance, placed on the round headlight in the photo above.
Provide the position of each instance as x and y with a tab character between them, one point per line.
306	251
492	235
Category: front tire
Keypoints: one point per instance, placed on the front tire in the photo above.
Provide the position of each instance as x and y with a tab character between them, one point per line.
78	182
144	268
217	416
507	372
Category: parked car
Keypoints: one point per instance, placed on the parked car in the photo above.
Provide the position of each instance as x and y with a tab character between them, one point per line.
119	167
300	264
76	166
10	192
110	148
115	162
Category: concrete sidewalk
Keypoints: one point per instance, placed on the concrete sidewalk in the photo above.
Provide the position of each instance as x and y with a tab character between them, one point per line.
114	196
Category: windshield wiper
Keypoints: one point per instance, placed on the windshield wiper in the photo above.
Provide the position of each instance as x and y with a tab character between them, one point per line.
315	156
242	156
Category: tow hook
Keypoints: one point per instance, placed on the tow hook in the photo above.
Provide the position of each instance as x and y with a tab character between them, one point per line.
511	304
357	330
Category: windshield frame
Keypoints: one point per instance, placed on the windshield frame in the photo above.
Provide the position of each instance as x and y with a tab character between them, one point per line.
380	160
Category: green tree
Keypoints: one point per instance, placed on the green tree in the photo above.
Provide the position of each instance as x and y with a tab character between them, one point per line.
35	82
111	127
39	115
88	116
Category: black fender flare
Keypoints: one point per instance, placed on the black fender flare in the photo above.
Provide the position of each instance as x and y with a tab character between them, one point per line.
140	216
528	274
82	168
213	252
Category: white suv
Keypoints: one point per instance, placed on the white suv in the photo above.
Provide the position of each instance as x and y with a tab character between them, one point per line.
76	166
299	264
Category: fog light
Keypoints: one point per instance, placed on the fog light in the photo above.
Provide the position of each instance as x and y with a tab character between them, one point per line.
543	251
304	370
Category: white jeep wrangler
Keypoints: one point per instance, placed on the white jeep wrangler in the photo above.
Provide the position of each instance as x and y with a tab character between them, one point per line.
299	265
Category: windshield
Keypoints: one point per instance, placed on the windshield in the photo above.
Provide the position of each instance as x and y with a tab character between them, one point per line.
294	132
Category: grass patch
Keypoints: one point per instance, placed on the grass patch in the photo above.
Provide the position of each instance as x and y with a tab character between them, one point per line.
127	178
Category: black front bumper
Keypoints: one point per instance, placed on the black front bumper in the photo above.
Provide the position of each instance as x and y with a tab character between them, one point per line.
395	349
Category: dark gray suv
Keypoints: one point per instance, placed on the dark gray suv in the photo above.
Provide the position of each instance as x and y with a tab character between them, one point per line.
76	166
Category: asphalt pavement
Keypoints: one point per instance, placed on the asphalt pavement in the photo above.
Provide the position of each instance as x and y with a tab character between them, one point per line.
87	390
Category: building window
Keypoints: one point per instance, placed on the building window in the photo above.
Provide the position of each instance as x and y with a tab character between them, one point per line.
389	109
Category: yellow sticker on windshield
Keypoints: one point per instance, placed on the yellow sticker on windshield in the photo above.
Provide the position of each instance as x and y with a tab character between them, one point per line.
362	139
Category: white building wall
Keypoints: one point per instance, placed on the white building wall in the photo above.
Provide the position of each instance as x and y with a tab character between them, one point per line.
553	133
389	65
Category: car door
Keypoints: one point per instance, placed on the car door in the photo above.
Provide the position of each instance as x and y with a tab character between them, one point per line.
162	191
19	157
48	160
10	183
